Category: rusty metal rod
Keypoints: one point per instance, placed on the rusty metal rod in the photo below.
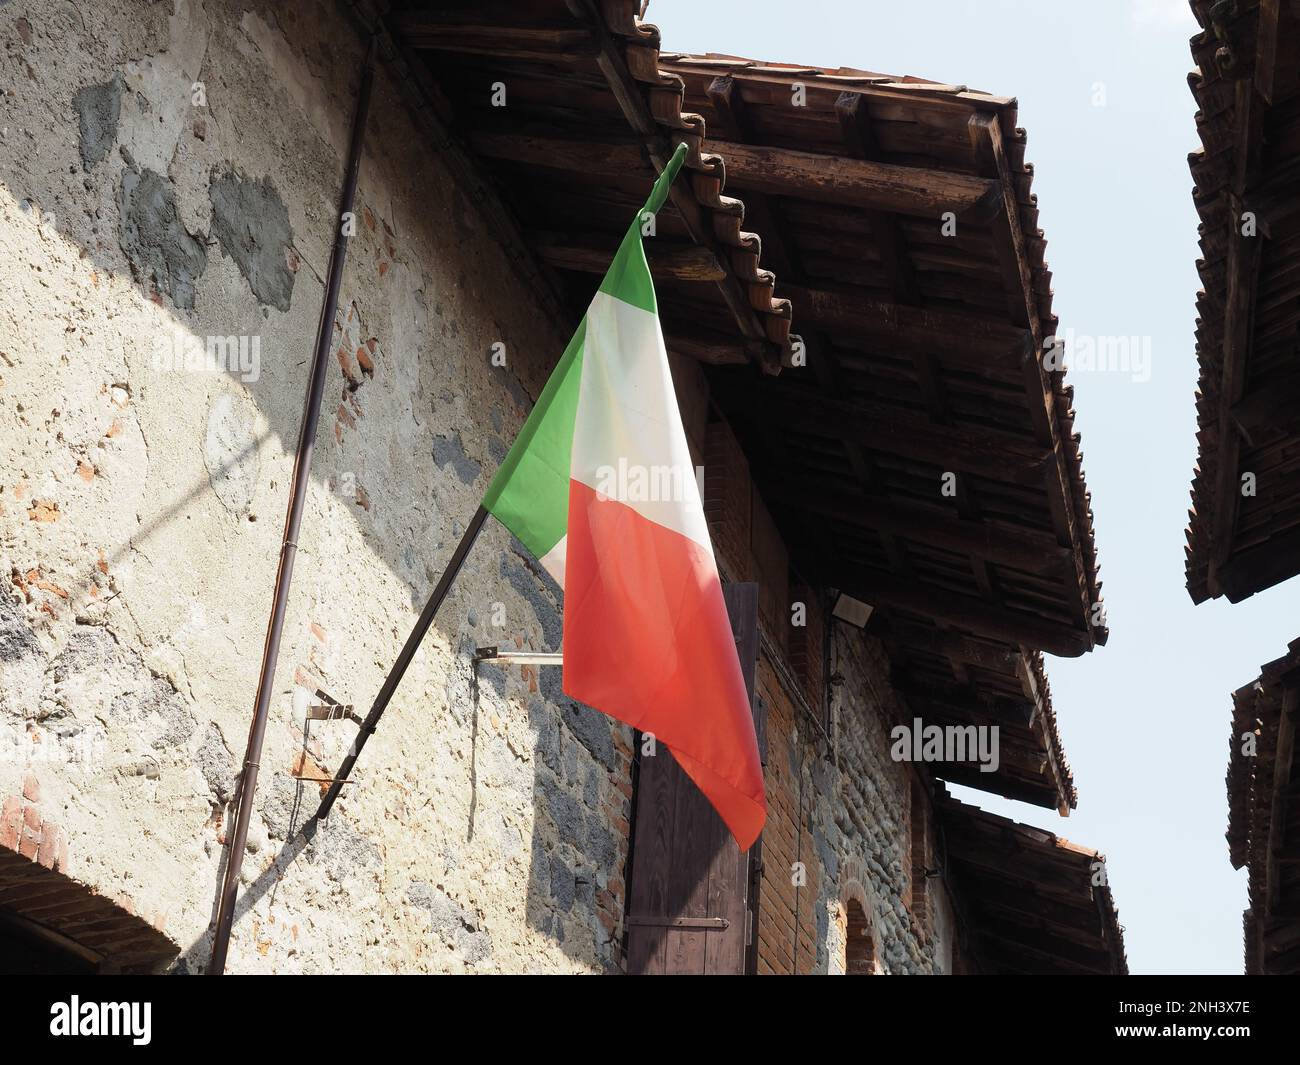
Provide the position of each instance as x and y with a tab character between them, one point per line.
293	521
407	653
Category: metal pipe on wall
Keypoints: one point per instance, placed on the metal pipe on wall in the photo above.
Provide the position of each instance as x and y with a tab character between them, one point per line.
293	521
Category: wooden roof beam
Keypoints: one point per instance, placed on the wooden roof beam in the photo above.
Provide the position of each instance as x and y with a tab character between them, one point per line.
1021	869
967	612
1266	47
1027	550
950	334
1036	792
997	658
1283	767
1259	567
955	701
1275	205
1088	935
760	212
993	895
821	357
1273	405
1000	456
479	32
856	182
708	350
860	143
1030	959
725	97
591	253
1250	106
1017	764
1244	254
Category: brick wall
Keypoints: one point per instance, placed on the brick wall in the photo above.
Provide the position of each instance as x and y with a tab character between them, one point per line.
34	885
23	828
838	806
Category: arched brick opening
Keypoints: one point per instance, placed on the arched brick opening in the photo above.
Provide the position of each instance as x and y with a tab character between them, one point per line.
53	924
859	942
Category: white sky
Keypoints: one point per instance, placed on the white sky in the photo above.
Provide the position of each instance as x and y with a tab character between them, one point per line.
1145	719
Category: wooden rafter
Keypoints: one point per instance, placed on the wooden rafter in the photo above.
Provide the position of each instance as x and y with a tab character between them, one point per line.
953	334
859	138
855	182
987	452
659	147
1032	552
1244	256
967	612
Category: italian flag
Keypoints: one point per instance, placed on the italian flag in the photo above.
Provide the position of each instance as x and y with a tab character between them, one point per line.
601	488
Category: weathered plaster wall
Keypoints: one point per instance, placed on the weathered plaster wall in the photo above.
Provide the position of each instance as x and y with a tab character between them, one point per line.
141	506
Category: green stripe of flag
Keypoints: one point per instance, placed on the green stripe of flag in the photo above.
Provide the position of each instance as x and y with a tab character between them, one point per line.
530	493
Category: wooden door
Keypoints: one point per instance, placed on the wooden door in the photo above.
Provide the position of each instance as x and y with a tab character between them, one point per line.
689	893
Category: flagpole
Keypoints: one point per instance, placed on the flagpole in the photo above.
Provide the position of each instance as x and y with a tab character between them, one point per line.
657	196
398	670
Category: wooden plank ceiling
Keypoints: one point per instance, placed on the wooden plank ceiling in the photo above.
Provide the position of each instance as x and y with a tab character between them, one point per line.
920	350
1026	899
1248	325
1264	813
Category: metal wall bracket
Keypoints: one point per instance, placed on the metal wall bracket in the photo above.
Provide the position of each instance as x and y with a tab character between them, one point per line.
519	658
330	709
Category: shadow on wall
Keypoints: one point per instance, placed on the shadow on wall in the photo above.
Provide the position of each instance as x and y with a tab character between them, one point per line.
573	894
147	180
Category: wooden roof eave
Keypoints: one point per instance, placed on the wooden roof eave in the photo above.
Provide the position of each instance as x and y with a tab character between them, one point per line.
1263	805
1029	893
1247	62
623	51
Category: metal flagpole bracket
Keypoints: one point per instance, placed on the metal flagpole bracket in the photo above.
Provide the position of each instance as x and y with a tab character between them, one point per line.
519	658
330	709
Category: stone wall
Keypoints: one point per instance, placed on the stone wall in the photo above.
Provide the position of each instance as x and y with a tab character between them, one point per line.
170	174
839	807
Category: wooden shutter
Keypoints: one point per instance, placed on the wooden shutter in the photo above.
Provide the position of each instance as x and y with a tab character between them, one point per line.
689	893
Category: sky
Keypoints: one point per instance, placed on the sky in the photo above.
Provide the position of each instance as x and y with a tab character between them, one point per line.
1103	93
